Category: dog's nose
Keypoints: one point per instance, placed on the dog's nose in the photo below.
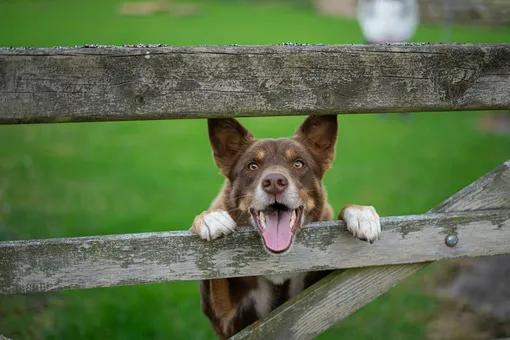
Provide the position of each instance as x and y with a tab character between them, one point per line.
274	184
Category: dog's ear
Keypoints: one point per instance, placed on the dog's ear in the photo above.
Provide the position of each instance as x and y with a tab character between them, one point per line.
228	140
318	134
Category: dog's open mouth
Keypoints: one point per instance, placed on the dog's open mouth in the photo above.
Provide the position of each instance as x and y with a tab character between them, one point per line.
277	224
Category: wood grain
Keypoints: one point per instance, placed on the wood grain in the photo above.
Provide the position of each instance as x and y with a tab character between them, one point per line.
102	261
336	297
137	83
482	283
492	191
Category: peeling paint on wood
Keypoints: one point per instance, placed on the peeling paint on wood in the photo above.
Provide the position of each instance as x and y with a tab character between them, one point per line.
50	85
339	295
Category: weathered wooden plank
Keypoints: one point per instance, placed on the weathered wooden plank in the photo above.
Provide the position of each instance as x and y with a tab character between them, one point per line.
100	261
131	83
340	300
313	313
482	284
492	191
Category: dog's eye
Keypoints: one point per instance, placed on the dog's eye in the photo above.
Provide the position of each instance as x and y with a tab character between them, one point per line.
299	164
253	166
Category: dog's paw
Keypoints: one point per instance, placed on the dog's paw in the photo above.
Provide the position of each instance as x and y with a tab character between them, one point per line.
362	221
211	225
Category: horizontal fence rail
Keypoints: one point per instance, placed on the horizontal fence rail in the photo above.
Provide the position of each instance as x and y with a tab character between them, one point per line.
145	82
102	261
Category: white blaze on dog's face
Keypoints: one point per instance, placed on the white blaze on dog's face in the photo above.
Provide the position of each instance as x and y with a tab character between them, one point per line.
276	182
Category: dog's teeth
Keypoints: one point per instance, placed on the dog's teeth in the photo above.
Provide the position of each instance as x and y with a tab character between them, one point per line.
262	218
293	218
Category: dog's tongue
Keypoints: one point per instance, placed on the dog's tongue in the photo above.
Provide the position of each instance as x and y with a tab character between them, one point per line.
278	234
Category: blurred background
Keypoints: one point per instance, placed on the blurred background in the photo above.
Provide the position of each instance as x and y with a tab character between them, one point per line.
126	177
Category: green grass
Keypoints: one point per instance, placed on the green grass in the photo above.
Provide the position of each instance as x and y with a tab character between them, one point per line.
107	178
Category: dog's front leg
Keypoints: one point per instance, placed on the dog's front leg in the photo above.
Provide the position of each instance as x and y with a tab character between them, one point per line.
211	225
362	221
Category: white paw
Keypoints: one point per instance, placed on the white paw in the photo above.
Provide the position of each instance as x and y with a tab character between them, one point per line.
363	222
211	225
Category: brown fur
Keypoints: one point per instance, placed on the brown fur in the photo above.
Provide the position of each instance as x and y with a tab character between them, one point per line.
234	148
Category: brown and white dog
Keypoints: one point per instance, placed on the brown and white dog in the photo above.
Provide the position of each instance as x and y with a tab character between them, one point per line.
274	185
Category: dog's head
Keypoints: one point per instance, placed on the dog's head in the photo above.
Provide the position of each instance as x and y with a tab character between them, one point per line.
276	182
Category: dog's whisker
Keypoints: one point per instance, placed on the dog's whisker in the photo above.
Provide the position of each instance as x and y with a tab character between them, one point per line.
234	209
239	217
242	196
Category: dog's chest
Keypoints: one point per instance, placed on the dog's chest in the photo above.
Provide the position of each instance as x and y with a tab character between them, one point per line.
273	290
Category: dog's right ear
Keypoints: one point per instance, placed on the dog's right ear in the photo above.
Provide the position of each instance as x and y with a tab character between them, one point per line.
228	140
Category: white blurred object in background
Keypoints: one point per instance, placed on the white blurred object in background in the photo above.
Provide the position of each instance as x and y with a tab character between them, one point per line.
388	21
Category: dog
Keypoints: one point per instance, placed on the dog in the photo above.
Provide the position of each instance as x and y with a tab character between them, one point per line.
274	186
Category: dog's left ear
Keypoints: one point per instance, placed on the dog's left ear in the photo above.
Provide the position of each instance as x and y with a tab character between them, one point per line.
318	134
228	140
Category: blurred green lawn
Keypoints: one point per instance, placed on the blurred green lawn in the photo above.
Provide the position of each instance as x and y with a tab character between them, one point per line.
107	178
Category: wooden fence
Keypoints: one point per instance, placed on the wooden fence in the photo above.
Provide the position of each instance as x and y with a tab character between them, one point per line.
154	82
